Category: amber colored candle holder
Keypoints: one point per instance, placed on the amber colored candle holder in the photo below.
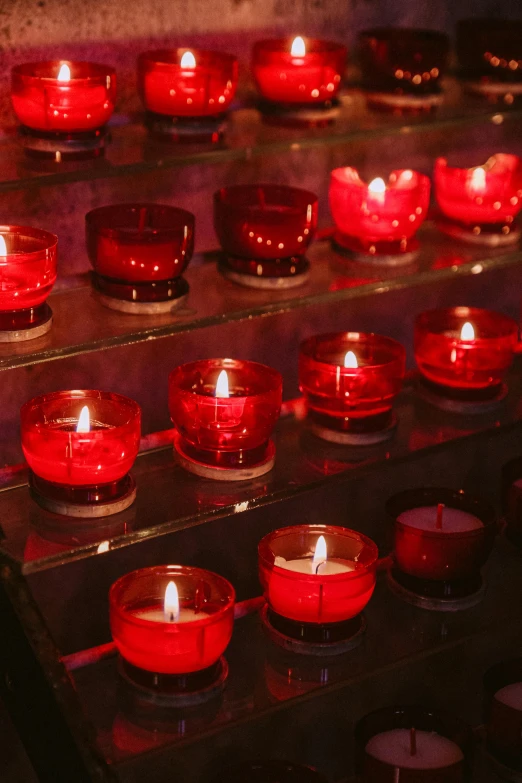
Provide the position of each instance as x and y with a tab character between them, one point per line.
187	92
376	222
139	253
480	204
402	67
80	446
315	606
463	354
28	272
173	647
442	538
440	750
512	500
265	231
503	714
490	57
63	107
224	411
349	381
270	772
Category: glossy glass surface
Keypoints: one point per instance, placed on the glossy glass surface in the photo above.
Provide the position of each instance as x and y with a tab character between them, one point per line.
28	270
491	49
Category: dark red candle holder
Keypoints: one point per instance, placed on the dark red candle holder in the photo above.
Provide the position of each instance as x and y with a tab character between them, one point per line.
490	57
402	68
28	259
314	607
512	500
81	473
270	772
265	231
351	404
376	222
426	746
298	79
187	92
63	107
225	437
172	650
503	717
480	204
139	253
442	538
463	354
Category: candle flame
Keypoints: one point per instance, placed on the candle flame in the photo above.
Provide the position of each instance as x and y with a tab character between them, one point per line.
64	74
467	332
320	554
298	47
478	180
3	247
188	60
84	422
377	185
350	360
171	603
222	385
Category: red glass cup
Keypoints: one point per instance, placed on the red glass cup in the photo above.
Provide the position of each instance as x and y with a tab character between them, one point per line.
480	204
442	538
265	231
463	353
62	105
378	221
224	431
316	602
413	744
512	499
186	640
490	56
402	67
309	78
351	403
503	712
27	275
139	253
80	461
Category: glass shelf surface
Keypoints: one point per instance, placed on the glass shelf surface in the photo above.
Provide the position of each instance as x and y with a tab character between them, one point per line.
213	300
131	151
169	499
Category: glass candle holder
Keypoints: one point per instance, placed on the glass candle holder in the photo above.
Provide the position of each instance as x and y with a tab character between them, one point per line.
80	446
442	538
423	745
265	231
270	772
378	221
490	57
480	204
463	354
512	500
28	259
503	712
224	411
186	92
139	253
316	579
171	625
402	67
298	73
63	106
349	381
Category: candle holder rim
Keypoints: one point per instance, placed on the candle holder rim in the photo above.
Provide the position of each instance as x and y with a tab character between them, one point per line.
456	729
224	194
282	46
161	57
414	498
83	394
307	346
417	182
228	364
424	320
399	32
514	161
97	219
27	71
49	240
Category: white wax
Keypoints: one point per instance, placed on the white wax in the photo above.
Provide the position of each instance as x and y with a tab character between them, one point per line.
305	566
453	520
433	750
511	695
159	616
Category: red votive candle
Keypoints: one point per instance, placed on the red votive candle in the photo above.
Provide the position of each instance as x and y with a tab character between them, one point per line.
298	72
503	718
316	579
139	253
378	221
512	499
442	538
349	381
265	231
172	620
80	446
63	105
480	204
402	67
224	411
490	56
27	274
463	354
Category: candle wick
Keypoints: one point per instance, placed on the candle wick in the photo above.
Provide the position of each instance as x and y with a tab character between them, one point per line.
171	617
396	774
318	566
413	742
440	509
142	219
261	197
